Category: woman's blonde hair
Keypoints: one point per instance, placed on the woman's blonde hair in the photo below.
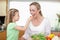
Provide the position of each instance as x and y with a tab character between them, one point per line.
37	6
11	14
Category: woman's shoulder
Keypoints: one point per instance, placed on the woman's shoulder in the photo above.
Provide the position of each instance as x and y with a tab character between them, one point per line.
47	21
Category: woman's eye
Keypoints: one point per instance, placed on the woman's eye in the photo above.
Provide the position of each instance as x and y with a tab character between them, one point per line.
33	10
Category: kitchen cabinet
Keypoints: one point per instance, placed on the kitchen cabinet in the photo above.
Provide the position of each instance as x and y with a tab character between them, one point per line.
21	33
3	11
2	7
3	35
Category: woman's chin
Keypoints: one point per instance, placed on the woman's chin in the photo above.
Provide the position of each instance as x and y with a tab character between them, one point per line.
34	16
17	20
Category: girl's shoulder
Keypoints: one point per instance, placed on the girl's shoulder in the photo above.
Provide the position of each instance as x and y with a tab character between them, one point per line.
10	24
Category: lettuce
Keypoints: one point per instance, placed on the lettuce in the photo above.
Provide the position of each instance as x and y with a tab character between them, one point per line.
38	37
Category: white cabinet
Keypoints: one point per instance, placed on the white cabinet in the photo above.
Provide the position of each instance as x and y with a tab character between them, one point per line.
2	8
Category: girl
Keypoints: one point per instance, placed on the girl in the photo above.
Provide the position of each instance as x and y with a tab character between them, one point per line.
12	28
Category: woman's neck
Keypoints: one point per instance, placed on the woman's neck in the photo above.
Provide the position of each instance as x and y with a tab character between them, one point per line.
38	17
37	21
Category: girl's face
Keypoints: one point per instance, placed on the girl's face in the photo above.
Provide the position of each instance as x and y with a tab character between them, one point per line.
16	17
33	10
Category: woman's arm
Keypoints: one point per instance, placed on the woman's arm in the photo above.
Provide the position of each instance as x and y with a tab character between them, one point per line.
26	34
21	38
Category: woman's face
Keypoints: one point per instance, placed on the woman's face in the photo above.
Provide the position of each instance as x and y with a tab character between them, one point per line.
16	17
33	10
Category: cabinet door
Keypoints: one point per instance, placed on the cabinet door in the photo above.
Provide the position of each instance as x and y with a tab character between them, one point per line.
2	7
3	12
3	35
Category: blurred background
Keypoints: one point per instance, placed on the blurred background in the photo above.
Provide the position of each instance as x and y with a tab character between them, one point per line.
50	9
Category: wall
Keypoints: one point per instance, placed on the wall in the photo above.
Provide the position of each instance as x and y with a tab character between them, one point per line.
49	10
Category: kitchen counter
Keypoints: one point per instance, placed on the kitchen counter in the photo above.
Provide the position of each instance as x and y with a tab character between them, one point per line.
3	35
56	33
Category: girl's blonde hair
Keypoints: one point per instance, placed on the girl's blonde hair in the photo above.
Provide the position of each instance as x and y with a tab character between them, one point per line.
37	6
11	14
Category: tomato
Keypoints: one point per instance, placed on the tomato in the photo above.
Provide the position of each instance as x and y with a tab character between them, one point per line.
48	38
58	34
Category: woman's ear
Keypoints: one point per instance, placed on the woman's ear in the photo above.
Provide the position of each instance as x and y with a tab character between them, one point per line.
39	11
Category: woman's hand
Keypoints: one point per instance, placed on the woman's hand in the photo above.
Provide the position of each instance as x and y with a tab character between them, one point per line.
21	38
29	38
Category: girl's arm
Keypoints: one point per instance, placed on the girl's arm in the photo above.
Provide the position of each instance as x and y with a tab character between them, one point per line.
25	27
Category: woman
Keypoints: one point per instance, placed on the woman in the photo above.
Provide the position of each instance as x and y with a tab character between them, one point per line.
38	24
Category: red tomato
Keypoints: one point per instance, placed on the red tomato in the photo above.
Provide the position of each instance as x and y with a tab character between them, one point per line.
48	38
58	34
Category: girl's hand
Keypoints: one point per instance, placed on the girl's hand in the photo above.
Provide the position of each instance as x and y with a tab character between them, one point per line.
31	17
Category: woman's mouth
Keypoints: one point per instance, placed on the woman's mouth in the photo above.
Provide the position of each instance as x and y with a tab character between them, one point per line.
32	14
